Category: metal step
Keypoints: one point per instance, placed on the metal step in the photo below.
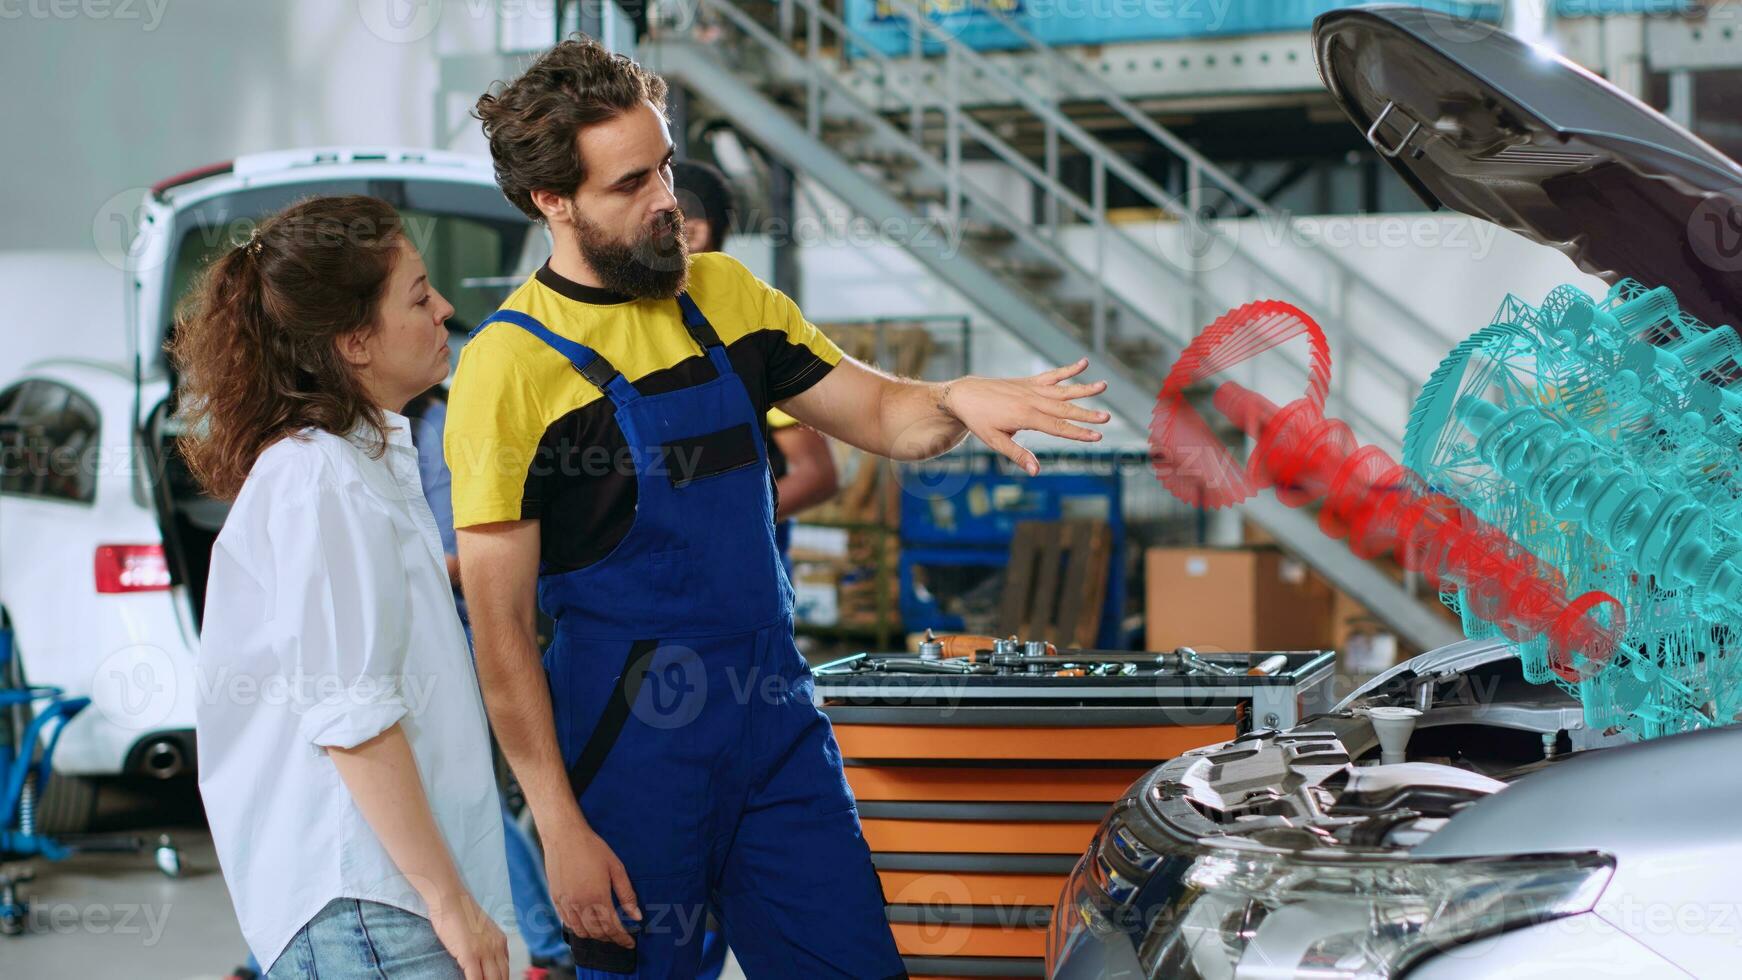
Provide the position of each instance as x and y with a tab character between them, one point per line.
1026	269
921	194
843	127
888	160
787	91
972	229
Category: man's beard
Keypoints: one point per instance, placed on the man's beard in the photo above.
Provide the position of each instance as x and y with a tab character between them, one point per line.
655	265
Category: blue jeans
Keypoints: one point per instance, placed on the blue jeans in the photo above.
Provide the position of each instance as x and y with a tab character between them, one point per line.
351	939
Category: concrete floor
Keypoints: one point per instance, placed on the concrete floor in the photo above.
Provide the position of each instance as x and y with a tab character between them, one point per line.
95	912
107	915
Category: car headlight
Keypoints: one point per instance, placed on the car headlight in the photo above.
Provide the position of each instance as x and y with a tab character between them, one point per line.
1233	909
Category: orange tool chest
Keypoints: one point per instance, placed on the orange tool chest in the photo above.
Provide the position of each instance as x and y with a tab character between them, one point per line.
980	781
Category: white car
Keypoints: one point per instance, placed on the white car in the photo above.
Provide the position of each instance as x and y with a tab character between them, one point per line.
104	538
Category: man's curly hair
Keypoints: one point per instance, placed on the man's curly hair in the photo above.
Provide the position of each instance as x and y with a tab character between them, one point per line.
534	122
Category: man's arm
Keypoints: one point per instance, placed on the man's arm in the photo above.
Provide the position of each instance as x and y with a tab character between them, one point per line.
499	563
904	419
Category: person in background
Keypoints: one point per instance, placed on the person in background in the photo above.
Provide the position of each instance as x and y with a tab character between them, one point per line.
356	819
536	916
798	455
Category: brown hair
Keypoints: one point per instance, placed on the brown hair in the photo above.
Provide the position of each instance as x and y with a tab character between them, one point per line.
534	122
254	342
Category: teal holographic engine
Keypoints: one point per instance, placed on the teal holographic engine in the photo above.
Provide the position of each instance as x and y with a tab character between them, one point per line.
1604	436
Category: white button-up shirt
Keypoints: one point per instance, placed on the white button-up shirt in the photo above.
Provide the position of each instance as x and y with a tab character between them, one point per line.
328	620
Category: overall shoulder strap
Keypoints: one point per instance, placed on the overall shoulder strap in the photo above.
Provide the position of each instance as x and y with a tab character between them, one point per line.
590	363
703	333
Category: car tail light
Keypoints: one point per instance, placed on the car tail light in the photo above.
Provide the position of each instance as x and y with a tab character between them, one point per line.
131	568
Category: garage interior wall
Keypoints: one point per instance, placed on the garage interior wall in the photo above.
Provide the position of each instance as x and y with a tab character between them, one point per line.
100	107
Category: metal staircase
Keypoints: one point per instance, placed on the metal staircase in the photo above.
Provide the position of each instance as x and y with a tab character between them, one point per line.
796	83
1344	294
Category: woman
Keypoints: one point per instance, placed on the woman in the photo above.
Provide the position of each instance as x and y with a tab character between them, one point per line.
344	757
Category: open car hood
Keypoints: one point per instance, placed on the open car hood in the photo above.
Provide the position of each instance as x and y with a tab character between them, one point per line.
1477	120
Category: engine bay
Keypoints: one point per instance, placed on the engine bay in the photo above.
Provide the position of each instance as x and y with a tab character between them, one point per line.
1327	785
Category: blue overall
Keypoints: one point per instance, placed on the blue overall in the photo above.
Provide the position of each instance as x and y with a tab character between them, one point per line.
684	711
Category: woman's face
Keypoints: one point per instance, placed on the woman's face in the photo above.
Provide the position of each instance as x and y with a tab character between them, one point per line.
407	351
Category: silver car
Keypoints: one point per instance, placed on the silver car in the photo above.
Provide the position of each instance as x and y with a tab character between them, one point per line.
1512	842
1450	819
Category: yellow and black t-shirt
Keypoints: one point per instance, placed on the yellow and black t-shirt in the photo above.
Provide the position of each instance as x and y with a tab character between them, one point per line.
529	438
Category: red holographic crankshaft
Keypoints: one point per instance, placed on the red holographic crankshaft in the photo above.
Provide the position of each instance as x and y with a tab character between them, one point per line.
1366	497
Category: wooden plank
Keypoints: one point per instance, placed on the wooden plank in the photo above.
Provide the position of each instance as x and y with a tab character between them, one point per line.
1069	609
1019	579
1042	612
1090	563
1056	582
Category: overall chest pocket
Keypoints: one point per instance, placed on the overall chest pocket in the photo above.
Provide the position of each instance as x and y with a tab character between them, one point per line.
685	461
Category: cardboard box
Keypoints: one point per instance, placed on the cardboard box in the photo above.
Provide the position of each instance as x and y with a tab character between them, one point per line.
1236	599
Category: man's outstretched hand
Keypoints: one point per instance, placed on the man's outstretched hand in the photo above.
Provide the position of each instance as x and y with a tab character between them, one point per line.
995	409
913	420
